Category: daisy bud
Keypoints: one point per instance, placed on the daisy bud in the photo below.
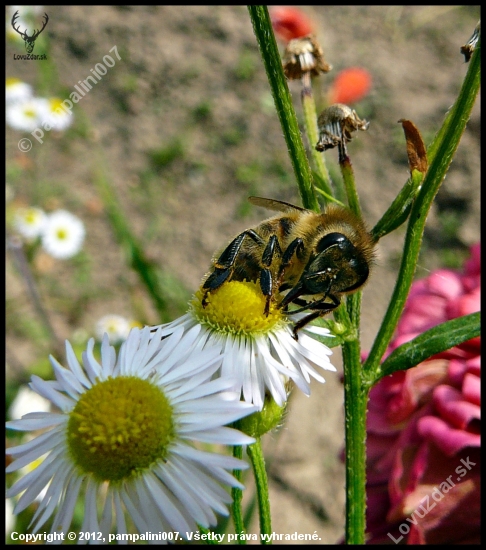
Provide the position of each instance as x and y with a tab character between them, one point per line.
261	422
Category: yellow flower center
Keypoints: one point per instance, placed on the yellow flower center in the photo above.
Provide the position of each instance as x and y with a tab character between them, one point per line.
56	106
119	428
11	82
30	112
237	308
31	217
61	234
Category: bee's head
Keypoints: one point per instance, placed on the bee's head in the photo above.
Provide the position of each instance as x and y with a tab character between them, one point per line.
337	264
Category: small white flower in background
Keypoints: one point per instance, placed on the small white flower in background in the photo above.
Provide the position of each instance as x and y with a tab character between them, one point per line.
16	90
259	351
28	114
29	222
57	118
115	326
28	401
63	234
122	440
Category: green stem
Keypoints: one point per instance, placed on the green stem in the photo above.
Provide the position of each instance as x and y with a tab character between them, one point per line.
258	463
355	400
399	210
349	183
310	121
283	102
16	246
237	495
355	404
207	532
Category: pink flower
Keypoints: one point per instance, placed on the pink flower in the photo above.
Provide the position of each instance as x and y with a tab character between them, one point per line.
349	86
289	22
423	468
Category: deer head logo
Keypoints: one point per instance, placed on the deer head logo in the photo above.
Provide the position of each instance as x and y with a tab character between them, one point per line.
29	40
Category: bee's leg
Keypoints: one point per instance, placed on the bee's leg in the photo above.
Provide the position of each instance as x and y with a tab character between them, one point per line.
303	322
319	309
224	265
287	257
266	280
214	281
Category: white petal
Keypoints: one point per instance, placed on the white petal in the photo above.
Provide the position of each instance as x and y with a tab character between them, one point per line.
64	515
36	421
107	513
91	366
75	367
133	508
69	383
90	521
47	390
108	357
166	505
224	435
176	484
52	496
121	526
38	444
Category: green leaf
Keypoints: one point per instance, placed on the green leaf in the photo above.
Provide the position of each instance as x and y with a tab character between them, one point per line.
399	210
429	343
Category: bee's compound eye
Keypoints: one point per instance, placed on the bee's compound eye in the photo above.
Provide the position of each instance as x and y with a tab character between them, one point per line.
330	240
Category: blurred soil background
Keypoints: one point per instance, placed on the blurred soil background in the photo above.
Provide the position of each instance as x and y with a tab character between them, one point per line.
184	128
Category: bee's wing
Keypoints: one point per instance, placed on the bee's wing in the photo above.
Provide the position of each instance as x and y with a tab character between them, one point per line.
274	204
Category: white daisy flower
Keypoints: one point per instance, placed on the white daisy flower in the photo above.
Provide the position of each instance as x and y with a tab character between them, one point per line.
259	351
123	438
63	234
57	118
115	326
27	115
16	90
29	222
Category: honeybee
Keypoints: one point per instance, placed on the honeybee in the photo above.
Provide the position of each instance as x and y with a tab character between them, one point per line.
317	258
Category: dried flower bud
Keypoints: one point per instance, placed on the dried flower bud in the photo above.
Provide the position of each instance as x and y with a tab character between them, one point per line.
469	47
304	55
336	124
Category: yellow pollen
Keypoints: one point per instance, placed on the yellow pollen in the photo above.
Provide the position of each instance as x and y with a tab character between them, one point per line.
119	428
237	308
